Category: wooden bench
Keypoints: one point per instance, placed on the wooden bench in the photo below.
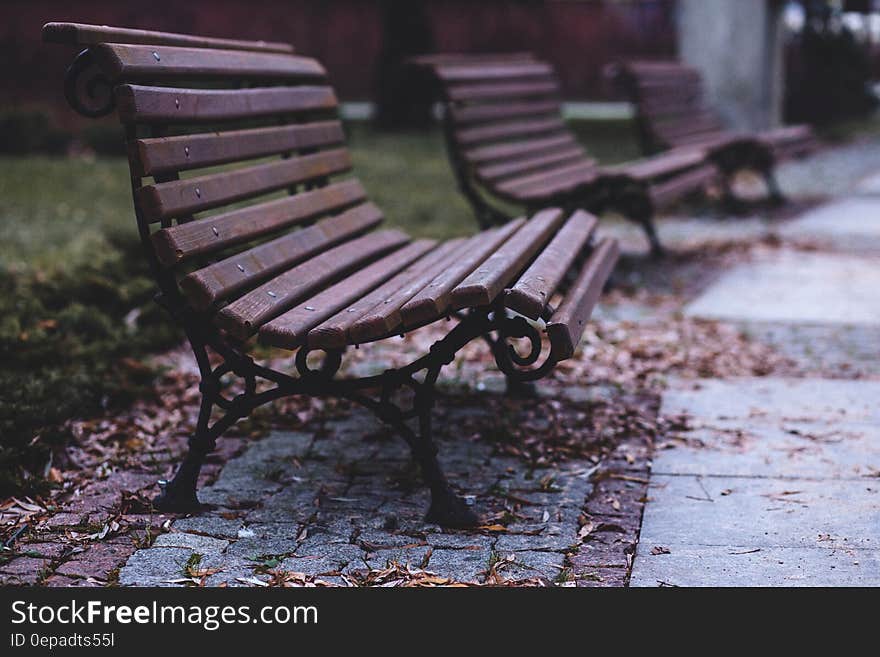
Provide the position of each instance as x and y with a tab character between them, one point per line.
506	140
672	113
255	235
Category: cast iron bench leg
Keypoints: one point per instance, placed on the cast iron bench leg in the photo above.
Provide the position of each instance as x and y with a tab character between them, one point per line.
447	508
775	194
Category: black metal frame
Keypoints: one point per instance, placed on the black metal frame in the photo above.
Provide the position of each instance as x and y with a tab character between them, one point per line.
493	324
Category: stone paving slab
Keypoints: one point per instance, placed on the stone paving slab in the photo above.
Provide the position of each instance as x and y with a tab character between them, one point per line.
838	349
796	287
850	223
796	428
820	400
869	185
776	485
759	512
679	232
797	450
774	566
829	172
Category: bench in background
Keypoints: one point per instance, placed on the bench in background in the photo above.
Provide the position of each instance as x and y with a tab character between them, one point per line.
672	113
507	141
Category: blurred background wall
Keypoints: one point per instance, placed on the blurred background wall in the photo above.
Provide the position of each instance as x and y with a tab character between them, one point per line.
815	45
578	37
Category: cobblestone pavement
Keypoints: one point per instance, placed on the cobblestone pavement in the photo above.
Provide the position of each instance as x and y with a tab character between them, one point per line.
339	503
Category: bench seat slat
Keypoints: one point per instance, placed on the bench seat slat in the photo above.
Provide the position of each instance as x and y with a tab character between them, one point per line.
496	152
333	333
222	279
183	197
659	166
291	328
485	283
139	62
558	181
384	317
530	294
482	72
500	111
567	324
433	300
178	243
507	130
163	154
504	90
786	135
145	104
244	316
664	193
495	172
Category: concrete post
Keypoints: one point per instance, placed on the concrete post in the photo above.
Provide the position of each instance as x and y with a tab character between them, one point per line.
737	45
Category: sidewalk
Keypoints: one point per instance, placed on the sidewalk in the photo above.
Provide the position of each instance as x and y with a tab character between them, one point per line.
778	483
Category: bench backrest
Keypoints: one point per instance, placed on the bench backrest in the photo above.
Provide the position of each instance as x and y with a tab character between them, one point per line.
503	116
671	108
232	148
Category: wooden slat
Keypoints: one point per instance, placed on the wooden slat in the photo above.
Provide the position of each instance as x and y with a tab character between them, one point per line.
712	141
530	294
548	183
500	111
662	194
485	283
438	59
656	67
245	315
384	317
432	301
451	73
523	165
221	280
671	105
508	130
659	166
788	134
496	90
87	35
335	332
164	154
685	127
290	329
568	322
178	243
497	152
135	62
794	149
145	104
183	197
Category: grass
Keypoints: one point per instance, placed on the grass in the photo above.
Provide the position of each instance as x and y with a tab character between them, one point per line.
76	311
